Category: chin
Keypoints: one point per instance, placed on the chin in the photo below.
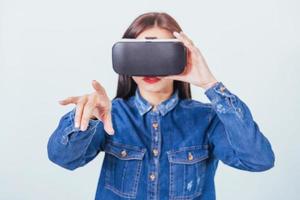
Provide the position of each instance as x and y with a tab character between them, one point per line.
153	87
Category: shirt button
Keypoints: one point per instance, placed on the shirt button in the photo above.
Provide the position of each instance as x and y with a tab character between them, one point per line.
152	177
222	88
190	157
155	152
123	153
155	125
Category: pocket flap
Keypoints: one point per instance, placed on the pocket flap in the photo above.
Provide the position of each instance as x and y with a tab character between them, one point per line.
188	155
124	151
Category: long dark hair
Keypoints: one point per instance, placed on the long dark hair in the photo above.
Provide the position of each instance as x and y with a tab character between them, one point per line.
126	85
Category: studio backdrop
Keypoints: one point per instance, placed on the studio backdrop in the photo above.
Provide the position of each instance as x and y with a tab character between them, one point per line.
50	50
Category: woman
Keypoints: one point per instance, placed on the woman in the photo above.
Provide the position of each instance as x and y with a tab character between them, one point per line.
158	142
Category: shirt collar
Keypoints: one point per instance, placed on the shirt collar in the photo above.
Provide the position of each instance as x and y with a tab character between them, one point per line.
164	107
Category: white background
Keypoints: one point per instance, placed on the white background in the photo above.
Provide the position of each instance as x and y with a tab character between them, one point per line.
50	50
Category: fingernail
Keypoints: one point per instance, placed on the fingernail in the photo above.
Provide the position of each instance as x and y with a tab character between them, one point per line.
176	33
76	124
111	132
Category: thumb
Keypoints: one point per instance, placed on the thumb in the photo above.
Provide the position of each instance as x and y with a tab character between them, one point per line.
172	77
107	122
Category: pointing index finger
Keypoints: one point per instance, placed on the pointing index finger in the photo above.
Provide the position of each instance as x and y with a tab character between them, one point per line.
99	88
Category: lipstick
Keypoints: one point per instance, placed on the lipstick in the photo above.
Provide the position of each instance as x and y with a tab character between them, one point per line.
151	79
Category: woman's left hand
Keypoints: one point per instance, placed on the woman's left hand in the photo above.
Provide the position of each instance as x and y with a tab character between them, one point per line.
196	71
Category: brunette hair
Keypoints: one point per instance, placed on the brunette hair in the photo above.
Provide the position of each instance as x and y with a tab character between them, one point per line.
126	85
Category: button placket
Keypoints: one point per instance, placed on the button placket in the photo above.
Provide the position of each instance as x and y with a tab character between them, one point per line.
154	158
156	134
155	152
152	176
155	125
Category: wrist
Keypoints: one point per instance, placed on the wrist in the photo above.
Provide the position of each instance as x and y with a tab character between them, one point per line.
209	85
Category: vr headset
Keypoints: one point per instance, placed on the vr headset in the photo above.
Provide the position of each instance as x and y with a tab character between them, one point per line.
149	57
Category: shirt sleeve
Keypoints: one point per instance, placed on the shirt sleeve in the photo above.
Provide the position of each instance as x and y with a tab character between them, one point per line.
235	138
69	147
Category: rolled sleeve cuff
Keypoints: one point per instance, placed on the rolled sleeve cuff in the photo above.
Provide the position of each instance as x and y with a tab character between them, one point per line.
221	98
72	129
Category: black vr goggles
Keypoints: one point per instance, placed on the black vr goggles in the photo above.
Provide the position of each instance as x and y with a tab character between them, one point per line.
149	57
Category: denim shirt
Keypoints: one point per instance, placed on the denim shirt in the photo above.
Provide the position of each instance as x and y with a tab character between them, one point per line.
168	152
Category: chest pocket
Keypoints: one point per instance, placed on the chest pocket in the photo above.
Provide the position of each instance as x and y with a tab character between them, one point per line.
123	165
187	171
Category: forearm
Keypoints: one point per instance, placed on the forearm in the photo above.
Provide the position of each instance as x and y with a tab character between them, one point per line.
67	146
243	135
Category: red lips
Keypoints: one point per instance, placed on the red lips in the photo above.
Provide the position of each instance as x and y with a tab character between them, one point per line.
151	79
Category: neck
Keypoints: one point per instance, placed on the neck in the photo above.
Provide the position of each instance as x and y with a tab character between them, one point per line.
155	98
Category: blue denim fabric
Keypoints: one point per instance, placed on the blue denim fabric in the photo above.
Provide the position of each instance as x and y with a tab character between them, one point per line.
171	152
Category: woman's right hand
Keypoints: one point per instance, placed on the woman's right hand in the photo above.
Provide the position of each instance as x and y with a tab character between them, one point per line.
91	106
